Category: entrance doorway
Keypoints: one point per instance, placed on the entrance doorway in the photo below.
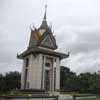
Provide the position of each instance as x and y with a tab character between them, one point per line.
47	80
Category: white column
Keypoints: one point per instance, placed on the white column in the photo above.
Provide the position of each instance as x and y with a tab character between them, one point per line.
30	70
53	74
57	74
23	75
43	71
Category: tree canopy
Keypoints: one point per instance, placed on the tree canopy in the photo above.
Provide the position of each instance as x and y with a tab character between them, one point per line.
84	82
69	81
10	81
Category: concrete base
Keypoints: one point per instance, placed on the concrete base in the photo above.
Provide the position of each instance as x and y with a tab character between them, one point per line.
65	97
54	93
61	96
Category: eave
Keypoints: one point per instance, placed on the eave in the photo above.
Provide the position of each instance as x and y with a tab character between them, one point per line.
42	50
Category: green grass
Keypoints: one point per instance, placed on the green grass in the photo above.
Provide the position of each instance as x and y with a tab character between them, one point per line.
22	94
90	99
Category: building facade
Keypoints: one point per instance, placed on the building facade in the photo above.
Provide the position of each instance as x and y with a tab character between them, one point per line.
41	63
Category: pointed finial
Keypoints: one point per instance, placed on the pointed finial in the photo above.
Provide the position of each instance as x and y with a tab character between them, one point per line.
44	22
45	12
45	7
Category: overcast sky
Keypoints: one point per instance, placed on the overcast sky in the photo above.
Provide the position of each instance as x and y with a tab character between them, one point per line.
76	25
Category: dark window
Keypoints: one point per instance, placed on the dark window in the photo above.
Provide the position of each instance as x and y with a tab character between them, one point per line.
25	78
54	78
47	64
28	85
47	80
27	62
55	60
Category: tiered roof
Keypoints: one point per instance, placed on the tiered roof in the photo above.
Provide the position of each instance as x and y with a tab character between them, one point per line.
42	41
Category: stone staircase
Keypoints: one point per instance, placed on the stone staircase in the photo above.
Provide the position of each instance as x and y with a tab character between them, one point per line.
61	96
65	97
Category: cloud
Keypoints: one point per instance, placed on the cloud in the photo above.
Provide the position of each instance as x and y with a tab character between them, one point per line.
76	25
83	43
88	62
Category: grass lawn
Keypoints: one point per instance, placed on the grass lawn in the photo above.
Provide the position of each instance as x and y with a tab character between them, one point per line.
91	99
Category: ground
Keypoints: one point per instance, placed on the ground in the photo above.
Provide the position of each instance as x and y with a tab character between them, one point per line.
91	99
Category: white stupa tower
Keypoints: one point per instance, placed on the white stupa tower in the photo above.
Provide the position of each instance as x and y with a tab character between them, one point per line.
41	63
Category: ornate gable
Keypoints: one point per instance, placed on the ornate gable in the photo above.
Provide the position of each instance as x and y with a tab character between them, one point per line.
34	38
42	36
48	41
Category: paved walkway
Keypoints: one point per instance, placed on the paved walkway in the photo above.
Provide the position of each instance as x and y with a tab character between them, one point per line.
65	97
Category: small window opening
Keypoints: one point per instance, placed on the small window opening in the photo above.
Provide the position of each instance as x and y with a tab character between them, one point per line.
27	62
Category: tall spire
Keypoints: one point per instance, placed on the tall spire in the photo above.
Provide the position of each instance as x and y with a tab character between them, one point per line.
45	14
44	24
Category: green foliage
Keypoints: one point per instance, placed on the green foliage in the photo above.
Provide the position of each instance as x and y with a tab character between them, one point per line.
10	81
68	80
90	99
83	83
90	82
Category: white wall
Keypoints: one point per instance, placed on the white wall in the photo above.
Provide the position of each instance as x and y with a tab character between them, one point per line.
34	72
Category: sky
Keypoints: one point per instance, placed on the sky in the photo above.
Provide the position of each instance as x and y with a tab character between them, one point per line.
76	26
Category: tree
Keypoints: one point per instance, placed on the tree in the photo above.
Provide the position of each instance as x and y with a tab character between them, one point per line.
84	82
68	80
2	83
90	83
10	81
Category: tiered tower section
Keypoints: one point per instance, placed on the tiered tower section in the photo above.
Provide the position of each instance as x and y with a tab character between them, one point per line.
41	63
